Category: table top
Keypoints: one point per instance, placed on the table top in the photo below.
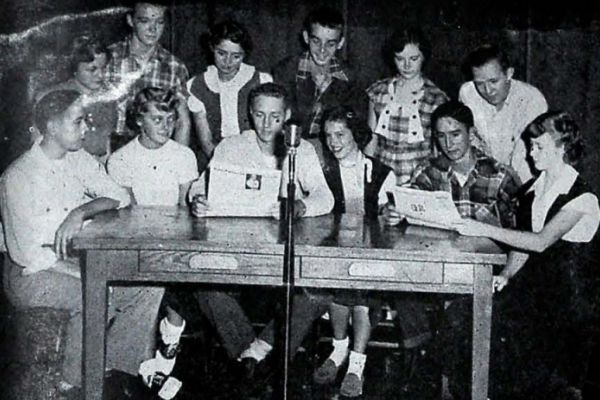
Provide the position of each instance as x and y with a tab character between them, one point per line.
174	228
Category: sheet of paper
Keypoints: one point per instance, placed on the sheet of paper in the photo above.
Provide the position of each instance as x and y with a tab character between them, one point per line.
235	191
421	207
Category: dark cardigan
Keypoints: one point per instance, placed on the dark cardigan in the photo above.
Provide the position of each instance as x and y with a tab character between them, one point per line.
331	170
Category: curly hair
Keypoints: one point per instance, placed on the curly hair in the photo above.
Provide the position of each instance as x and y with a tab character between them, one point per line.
164	100
563	129
360	130
232	31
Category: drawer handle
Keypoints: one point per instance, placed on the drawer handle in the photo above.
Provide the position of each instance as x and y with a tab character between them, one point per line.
212	261
371	269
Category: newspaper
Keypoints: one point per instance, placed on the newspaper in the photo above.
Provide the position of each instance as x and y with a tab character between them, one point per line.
429	208
235	191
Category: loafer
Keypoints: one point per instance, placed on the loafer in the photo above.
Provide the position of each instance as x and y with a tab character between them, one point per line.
326	373
352	386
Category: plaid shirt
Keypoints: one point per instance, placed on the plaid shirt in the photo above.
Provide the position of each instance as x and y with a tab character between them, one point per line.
163	70
403	157
303	73
488	195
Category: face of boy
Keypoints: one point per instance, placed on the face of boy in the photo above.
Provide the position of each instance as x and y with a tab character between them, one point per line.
322	43
148	23
453	138
268	116
69	128
156	126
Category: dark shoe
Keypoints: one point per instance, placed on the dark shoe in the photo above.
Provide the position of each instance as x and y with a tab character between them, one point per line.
352	386
169	351
326	373
254	376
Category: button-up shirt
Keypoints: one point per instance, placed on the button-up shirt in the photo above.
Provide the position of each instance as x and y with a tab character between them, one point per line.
37	194
501	128
487	193
162	70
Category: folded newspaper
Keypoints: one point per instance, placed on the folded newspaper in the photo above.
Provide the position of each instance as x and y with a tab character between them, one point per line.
420	207
235	191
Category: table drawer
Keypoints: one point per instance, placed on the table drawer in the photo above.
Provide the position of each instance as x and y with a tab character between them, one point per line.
211	263
376	270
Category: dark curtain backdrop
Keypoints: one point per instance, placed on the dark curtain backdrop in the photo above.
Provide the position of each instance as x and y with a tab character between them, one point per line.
556	49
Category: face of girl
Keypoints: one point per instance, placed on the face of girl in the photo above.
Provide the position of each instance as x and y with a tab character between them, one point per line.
156	126
409	61
228	58
339	139
91	74
545	152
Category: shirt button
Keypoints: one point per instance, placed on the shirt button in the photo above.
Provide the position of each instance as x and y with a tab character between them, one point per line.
48	209
414	133
66	209
414	102
154	167
387	111
383	126
414	116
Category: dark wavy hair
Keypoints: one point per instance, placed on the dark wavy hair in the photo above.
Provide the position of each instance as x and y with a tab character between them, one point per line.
455	110
563	129
400	38
85	48
164	100
232	31
345	114
324	16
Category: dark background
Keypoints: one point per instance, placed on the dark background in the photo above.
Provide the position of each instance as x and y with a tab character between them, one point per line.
556	48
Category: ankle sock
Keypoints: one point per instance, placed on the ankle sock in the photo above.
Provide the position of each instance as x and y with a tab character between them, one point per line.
356	363
340	351
169	333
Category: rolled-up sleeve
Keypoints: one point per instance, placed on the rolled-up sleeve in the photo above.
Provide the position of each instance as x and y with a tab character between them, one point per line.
97	183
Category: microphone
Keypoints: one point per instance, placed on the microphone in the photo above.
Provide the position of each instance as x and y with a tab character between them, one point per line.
292	134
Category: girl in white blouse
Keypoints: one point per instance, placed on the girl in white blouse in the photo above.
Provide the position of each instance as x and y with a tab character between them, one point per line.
546	273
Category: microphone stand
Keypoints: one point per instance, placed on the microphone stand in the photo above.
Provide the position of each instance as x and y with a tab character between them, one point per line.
288	266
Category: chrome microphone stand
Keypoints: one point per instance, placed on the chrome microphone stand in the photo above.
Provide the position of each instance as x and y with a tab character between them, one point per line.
292	140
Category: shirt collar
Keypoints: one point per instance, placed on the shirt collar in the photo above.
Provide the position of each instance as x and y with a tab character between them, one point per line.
159	52
211	77
335	69
567	176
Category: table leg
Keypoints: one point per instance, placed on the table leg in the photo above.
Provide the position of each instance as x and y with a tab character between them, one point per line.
94	326
482	323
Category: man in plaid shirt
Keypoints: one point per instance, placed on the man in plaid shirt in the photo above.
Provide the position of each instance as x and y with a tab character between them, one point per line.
317	80
139	61
481	187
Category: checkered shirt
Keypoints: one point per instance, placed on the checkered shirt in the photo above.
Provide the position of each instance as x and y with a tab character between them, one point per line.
400	156
488	195
163	70
336	71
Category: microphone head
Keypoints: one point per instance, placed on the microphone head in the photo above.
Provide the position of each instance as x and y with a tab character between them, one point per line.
292	134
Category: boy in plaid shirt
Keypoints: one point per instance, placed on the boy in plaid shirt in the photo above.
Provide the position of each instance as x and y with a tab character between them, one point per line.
481	188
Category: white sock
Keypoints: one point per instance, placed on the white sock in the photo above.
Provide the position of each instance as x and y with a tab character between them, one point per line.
340	351
170	333
258	349
356	363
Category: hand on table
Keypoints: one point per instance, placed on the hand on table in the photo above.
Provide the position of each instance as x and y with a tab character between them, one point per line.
71	225
199	206
391	217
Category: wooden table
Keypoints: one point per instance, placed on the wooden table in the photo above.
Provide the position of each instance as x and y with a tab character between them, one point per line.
159	244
